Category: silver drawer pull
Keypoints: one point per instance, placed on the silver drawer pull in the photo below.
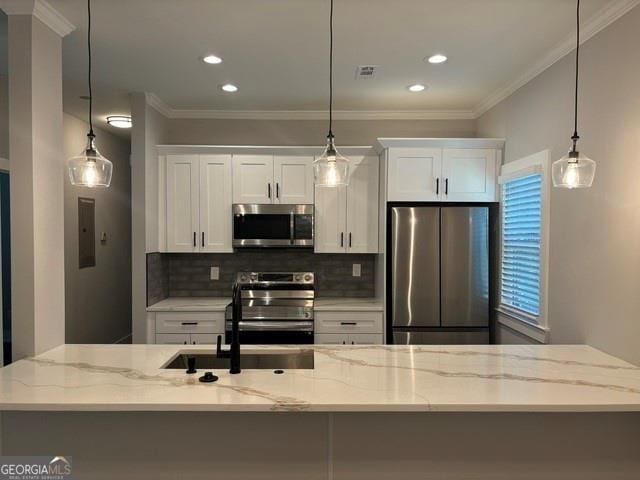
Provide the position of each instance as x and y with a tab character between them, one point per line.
348	323
189	323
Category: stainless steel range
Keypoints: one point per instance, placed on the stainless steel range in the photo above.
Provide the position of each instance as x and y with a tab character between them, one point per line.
277	308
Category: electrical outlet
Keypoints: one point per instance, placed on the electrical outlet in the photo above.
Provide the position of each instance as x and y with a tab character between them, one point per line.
357	270
215	273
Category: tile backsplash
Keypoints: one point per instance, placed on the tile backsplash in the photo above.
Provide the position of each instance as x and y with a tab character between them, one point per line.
188	274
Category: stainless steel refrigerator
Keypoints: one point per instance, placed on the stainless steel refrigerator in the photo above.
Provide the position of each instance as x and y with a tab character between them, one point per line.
439	275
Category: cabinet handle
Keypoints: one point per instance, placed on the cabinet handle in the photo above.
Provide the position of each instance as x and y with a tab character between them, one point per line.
203	239
348	323
353	342
446	186
349	239
269	189
194	343
189	323
344	342
185	342
437	186
194	239
277	190
342	239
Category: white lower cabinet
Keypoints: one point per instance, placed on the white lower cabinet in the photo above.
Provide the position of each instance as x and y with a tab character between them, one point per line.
349	339
349	328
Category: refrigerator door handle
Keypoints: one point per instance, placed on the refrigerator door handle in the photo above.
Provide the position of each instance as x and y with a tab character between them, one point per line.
437	186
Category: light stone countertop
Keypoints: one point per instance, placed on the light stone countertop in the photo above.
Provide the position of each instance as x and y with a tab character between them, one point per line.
218	304
481	378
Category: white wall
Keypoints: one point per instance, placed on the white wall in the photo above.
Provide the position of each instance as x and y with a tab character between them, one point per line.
594	275
98	299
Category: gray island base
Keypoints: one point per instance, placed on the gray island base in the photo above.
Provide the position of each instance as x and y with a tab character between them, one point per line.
468	412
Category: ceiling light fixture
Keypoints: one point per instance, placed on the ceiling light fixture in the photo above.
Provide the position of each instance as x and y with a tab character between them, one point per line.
331	169
574	170
228	87
418	87
119	121
90	168
437	58
212	59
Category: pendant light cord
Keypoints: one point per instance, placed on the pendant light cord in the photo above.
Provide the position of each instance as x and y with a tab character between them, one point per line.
575	136
89	76
331	70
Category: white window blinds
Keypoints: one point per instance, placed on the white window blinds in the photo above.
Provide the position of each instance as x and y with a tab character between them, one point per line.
521	243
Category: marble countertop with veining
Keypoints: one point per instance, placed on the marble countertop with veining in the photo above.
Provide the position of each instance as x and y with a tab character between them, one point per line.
480	378
218	304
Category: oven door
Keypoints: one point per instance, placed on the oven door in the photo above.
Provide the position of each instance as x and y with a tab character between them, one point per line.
272	225
271	332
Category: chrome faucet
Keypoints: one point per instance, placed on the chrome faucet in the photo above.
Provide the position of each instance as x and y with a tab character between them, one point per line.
234	348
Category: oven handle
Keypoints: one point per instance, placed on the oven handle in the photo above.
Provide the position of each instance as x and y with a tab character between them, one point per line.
274	326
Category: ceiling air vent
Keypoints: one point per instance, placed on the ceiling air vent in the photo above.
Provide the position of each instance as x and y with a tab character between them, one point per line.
366	71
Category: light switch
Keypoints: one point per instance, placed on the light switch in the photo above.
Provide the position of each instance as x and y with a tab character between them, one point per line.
215	273
357	270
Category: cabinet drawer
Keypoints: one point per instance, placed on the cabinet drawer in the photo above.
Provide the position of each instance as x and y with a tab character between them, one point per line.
173	338
205	338
348	322
331	339
190	322
365	339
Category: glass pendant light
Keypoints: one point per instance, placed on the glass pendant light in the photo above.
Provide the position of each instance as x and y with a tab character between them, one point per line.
331	169
90	168
574	170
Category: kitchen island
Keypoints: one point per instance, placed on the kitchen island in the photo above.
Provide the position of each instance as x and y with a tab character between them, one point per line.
361	412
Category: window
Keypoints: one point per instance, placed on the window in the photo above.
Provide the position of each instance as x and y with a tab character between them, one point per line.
524	231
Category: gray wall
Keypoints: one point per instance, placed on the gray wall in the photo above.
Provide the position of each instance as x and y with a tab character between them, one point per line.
309	132
4	117
594	276
98	299
186	274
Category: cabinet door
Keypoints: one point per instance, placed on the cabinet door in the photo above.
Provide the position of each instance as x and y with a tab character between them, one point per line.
253	179
205	338
330	220
469	175
362	206
182	203
293	177
414	174
215	204
331	339
173	338
366	339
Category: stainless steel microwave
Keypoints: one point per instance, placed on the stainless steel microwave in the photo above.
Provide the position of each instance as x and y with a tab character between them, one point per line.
272	225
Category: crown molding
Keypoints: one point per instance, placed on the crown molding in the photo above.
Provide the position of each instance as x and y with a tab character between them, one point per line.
601	20
42	10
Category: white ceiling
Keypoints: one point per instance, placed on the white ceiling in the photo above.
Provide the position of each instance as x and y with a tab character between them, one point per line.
276	51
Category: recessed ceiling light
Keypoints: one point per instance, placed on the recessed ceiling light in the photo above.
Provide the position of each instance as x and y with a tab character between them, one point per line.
119	121
228	87
418	87
212	59
437	58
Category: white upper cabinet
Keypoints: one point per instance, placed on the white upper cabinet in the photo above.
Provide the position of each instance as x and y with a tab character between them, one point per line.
330	219
293	179
362	206
215	203
442	170
469	174
198	204
253	179
182	203
346	218
269	179
414	174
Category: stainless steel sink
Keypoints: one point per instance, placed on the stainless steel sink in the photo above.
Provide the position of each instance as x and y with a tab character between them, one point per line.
296	360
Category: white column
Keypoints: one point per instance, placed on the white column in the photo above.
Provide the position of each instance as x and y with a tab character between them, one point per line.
37	169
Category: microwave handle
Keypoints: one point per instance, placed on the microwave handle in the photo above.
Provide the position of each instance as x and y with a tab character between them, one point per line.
292	226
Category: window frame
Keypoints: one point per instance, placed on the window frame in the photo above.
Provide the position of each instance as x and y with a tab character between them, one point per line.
531	325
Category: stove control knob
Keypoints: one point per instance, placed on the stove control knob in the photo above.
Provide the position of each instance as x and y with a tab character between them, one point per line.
243	278
298	278
308	277
254	277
